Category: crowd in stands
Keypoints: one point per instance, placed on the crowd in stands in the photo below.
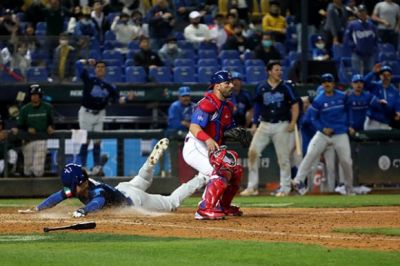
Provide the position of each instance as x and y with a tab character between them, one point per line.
189	40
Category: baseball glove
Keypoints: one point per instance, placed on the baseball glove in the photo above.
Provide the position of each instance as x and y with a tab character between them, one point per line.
240	135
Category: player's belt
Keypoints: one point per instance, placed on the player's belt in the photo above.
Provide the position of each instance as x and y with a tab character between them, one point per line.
95	112
273	121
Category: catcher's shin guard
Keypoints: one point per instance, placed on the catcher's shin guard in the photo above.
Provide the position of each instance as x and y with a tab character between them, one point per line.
230	193
208	209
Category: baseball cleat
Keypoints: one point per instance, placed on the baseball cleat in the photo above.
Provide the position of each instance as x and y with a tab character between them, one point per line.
158	151
233	211
209	214
249	192
280	193
299	187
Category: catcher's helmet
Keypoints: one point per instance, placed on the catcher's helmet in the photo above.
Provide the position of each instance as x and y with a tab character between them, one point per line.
35	89
223	159
72	176
220	76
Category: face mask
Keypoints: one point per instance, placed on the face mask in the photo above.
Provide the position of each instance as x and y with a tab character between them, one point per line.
320	45
63	42
172	46
267	43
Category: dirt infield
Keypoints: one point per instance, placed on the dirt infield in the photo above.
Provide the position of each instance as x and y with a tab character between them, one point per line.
301	225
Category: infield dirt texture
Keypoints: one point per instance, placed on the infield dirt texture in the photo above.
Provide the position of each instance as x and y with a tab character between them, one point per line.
297	225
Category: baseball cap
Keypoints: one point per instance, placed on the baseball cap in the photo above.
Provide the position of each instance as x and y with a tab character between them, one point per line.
386	69
357	78
194	14
236	75
184	91
327	77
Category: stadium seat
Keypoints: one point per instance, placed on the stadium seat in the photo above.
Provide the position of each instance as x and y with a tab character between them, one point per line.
41	26
131	54
204	73
129	62
113	55
184	62
160	74
238	69
135	74
96	54
133	45
207	46
248	55
281	48
229	54
183	44
386	56
111	16
208	19
37	74
386	48
232	62
188	53
207	53
184	74
254	62
337	51
114	74
255	74
109	36
207	62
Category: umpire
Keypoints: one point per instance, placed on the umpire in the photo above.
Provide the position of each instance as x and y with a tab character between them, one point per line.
97	93
276	110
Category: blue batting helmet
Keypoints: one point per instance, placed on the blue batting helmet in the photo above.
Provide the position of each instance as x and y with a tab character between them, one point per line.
72	176
220	76
327	77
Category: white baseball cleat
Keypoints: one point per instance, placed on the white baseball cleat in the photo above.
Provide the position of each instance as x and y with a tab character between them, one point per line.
158	151
249	192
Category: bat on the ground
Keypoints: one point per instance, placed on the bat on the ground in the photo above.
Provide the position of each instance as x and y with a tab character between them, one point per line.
297	141
78	226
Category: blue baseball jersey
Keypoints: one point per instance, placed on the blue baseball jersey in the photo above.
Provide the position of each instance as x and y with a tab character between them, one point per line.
242	102
96	92
330	112
214	116
358	106
273	104
178	112
383	113
100	195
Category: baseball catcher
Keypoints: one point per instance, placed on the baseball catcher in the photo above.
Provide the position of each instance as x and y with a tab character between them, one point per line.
222	187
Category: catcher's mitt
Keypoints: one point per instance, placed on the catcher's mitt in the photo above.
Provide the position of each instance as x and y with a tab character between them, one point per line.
240	135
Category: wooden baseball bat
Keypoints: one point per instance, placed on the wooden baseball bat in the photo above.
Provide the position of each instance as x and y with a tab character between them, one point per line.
297	141
78	226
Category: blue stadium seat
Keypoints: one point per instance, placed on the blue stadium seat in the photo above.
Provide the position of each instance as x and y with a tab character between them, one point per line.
229	54
129	62
204	73
184	74
255	74
239	69
11	77
207	53
40	55
131	54
248	55
113	55
37	74
133	45
208	45
109	36
96	54
386	48
254	62
208	19
183	44
208	62
41	26
188	53
281	48
337	52
184	62
160	74
232	62
135	74
111	16
114	74
386	56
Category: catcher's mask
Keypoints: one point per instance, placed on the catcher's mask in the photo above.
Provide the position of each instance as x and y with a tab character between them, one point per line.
72	176
223	159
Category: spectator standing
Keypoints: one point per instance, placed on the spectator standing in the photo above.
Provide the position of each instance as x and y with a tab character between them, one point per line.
161	23
379	117
182	10
276	111
243	102
12	156
335	23
145	57
99	19
96	95
9	27
274	22
55	15
387	14
180	113
35	117
361	37
21	59
125	31
63	60
85	25
170	51
266	50
196	32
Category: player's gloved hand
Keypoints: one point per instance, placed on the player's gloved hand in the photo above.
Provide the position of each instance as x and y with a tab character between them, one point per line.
79	213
